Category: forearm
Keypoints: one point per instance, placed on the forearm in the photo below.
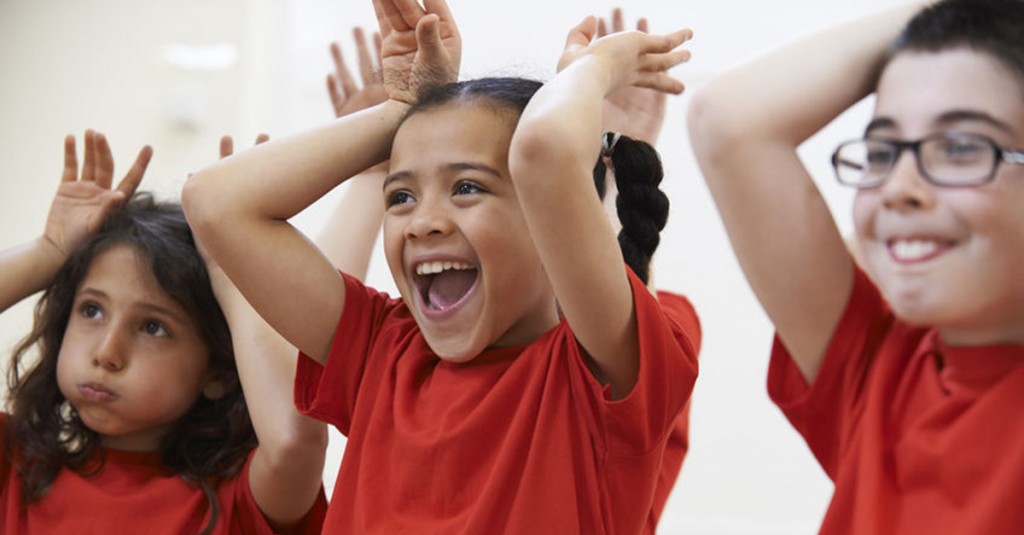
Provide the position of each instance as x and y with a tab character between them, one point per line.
788	95
348	236
27	269
286	473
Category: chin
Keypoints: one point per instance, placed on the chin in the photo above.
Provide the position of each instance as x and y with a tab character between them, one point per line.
454	349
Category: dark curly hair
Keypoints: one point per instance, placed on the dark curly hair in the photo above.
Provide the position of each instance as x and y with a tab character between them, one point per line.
44	434
641	205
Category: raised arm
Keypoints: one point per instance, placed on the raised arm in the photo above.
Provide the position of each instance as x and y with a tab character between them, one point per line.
745	127
551	160
239	207
351	230
637	112
285	475
81	203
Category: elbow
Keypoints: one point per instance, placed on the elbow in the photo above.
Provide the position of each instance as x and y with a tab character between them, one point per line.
197	201
713	127
304	439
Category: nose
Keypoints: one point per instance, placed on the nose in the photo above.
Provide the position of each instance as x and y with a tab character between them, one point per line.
905	188
109	354
429	218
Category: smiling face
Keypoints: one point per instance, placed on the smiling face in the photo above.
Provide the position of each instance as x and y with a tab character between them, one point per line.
132	360
455	238
942	256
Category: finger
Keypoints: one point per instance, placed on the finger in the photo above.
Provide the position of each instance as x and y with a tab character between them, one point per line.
428	39
402	15
378	45
262	137
89	165
664	62
133	177
348	83
227	146
104	162
366	65
443	12
70	160
383	26
641	25
659	81
337	99
617	24
581	35
602	28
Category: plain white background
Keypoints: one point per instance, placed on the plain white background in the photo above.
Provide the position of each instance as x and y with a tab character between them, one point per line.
178	75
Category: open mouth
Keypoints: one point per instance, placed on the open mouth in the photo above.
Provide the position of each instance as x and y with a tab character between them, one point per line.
443	285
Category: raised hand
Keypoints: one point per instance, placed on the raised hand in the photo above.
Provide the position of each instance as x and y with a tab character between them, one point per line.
634	111
346	95
420	46
631	58
84	200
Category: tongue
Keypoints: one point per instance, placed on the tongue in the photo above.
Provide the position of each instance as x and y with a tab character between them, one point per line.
449	286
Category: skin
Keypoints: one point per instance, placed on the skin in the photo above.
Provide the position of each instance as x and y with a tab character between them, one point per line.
450	198
125	341
969	286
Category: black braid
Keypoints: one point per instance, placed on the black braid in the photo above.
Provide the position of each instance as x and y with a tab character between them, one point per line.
641	205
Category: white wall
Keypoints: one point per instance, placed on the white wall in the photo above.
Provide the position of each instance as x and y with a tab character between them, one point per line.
68	65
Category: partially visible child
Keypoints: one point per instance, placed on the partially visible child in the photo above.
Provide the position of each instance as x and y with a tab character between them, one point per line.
907	385
639	113
125	406
469	404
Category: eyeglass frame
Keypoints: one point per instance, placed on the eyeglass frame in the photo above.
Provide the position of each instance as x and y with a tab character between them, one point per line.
1001	154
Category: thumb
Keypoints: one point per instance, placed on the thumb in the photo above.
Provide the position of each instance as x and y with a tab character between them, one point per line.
428	36
579	37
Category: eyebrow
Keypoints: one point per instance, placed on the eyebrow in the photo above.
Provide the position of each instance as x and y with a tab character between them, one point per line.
448	168
141	304
948	118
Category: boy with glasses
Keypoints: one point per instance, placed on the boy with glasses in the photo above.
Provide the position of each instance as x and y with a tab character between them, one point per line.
907	385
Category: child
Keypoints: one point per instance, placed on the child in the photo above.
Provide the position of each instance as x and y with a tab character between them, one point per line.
133	414
469	405
905	385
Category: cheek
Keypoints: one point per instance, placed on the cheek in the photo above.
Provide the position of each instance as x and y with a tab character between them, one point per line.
864	205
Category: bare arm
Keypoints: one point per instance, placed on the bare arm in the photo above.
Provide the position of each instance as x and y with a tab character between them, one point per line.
745	128
348	237
285	475
559	136
79	207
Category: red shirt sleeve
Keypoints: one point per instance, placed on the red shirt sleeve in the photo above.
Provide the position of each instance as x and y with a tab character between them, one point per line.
826	411
641	421
328	393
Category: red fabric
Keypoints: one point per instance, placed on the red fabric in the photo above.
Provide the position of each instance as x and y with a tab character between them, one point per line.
679	310
518	440
919	437
133	493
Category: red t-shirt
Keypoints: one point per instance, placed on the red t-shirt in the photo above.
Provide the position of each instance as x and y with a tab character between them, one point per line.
679	310
134	493
518	440
918	436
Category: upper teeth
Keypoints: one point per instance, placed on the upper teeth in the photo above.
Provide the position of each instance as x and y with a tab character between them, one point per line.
913	249
430	268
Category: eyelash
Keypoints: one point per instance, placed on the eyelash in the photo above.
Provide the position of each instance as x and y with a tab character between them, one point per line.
90	311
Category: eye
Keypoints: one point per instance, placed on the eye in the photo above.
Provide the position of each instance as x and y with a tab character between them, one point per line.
90	310
154	328
963	150
465	187
398	197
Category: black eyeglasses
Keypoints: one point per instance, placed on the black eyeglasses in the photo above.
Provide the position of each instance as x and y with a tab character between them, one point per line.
945	159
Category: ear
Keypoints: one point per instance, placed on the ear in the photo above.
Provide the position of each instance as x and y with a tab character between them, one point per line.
217	386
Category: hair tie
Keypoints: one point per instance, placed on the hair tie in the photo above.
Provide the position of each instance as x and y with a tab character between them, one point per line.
608	141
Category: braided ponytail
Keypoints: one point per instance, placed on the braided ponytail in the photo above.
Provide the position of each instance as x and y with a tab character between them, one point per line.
641	205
